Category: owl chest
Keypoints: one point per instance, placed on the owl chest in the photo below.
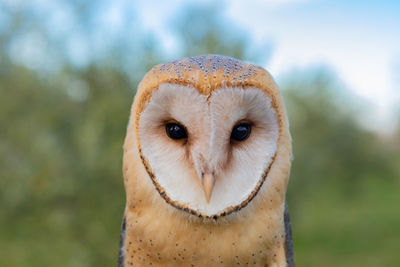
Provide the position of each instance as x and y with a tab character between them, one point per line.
138	254
197	246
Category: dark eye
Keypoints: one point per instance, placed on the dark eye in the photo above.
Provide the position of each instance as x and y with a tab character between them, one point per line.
241	132
175	131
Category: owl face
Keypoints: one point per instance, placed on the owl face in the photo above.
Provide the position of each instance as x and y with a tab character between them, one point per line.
208	154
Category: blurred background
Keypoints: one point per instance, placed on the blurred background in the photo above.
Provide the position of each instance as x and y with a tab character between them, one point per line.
68	74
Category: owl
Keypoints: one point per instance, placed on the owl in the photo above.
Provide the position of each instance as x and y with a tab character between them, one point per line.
206	164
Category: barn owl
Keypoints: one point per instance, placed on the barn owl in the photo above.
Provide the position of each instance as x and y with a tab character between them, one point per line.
206	164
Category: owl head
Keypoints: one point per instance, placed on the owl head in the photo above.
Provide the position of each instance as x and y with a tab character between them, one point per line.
210	134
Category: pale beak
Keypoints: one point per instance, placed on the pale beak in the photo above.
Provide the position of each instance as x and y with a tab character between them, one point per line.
208	181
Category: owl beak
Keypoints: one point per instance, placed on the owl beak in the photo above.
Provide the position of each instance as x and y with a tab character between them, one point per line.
208	181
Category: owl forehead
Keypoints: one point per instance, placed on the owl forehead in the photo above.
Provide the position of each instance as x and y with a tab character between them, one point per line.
206	74
188	106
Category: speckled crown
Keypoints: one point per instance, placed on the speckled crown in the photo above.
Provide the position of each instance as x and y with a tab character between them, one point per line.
207	73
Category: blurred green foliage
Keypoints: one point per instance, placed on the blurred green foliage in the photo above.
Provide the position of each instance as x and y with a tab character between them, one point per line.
61	189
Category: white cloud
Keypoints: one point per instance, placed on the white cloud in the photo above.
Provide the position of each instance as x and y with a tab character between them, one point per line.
277	2
267	3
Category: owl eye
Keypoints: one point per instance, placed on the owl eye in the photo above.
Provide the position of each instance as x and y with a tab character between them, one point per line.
175	131
241	132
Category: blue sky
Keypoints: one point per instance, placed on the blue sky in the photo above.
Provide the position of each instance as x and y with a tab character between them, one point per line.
359	40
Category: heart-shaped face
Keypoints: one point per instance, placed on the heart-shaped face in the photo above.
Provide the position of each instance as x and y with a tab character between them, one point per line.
208	154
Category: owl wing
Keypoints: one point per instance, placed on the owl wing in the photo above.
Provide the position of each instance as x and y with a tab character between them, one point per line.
121	255
288	239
